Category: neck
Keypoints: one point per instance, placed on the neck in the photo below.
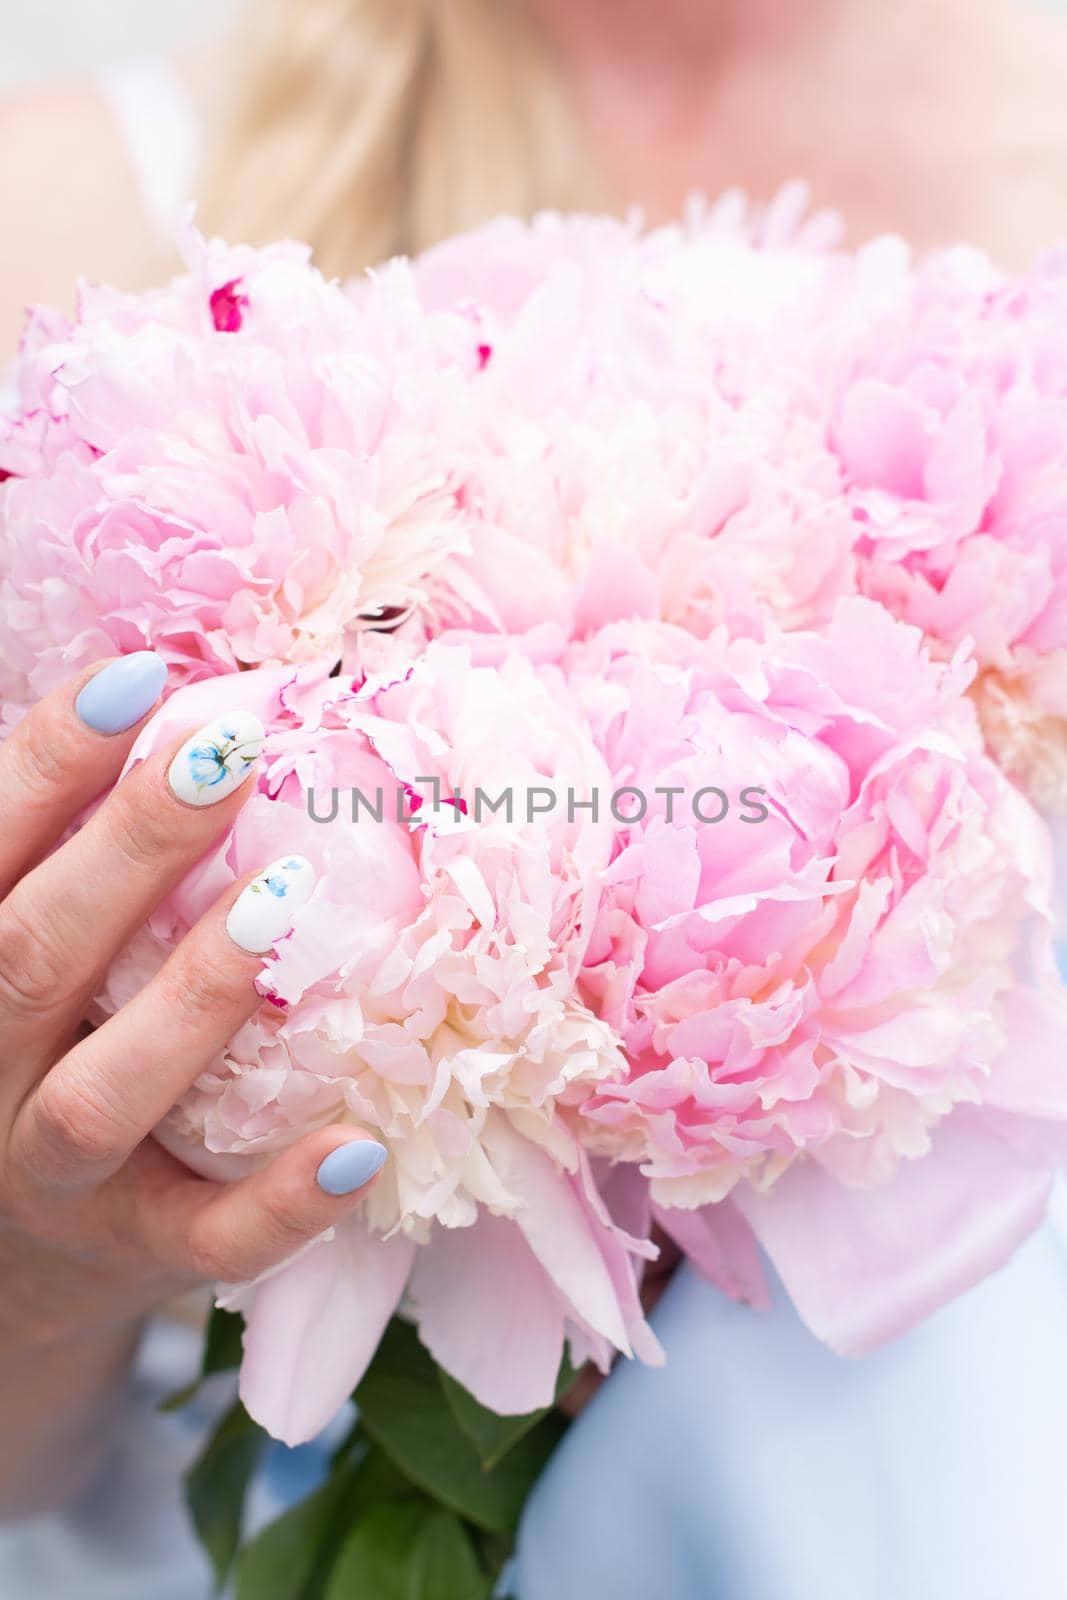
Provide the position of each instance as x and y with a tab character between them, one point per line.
645	77
684	35
677	95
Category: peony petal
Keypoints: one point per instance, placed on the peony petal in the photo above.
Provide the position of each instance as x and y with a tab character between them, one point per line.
862	1266
557	1226
1030	1076
622	1251
721	1245
490	1315
313	1327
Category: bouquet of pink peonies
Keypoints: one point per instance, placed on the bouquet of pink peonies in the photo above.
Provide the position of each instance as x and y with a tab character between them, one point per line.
661	645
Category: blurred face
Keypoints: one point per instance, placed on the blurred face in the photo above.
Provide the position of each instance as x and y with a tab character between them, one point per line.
614	28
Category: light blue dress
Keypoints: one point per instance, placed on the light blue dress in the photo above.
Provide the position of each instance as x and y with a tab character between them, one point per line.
757	1465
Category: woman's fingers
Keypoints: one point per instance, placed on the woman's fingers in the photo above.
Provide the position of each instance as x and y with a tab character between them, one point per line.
231	1233
63	923
68	749
91	1111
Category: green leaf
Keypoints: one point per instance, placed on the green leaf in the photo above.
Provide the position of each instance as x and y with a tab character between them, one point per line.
407	1550
443	1563
284	1561
292	1557
493	1551
375	1559
378	1479
216	1486
222	1351
402	1406
223	1346
492	1435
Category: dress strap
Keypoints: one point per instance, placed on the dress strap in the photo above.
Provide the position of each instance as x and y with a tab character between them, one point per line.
163	131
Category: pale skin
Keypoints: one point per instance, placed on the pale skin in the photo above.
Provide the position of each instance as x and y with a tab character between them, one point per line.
940	119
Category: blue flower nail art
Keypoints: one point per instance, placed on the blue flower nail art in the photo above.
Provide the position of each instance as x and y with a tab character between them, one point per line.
213	763
217	760
278	880
263	912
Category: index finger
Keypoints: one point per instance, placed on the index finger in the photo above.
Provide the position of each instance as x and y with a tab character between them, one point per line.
68	749
64	922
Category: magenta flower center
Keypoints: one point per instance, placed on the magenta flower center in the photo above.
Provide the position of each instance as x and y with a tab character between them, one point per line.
227	307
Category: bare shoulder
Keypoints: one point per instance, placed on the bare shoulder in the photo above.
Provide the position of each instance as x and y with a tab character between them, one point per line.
1024	112
69	199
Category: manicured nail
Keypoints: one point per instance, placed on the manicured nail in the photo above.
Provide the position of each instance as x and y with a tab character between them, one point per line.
351	1166
121	693
263	911
217	760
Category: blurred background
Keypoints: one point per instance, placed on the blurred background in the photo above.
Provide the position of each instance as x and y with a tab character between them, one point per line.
52	39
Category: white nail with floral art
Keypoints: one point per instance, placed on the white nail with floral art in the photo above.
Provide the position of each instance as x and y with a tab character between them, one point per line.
217	759
263	911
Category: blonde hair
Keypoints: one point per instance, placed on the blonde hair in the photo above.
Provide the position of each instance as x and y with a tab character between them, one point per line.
372	128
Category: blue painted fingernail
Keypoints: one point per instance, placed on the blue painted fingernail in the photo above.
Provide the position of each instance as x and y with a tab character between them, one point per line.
351	1166
122	692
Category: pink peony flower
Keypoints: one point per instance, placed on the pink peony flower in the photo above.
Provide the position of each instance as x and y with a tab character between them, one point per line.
708	424
848	950
242	467
570	421
626	463
705	425
948	418
429	995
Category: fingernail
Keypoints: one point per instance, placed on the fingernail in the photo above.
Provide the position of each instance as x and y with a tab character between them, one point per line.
121	693
263	911
351	1166
217	760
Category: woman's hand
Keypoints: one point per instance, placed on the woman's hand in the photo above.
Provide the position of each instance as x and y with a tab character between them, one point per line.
98	1224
